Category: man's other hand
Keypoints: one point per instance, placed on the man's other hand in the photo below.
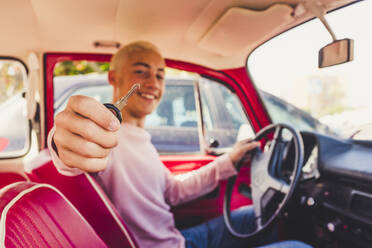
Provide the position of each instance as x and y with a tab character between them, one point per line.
85	133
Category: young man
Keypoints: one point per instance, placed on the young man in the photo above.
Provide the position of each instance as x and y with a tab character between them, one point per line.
88	137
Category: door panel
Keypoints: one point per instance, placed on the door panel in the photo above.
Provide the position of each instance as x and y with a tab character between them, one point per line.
210	205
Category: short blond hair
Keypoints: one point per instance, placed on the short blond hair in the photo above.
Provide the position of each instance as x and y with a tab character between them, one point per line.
136	46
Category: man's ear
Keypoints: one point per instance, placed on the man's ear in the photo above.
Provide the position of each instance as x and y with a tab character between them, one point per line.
111	77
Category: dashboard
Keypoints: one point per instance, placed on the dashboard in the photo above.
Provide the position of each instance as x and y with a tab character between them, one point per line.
335	192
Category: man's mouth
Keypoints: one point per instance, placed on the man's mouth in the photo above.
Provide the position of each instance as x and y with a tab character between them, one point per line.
148	96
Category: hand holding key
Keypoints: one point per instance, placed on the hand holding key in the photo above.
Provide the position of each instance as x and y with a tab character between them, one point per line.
86	132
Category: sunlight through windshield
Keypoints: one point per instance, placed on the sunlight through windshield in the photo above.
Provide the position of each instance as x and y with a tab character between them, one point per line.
338	96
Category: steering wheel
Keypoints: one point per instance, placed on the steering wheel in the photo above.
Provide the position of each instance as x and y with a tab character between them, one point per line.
265	182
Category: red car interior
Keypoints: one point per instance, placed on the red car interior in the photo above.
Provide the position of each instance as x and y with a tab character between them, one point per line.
315	186
88	197
38	215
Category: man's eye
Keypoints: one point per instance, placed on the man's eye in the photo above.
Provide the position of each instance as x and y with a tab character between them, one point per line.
138	71
160	77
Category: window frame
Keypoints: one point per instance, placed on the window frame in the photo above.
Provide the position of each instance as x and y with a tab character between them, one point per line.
235	79
218	117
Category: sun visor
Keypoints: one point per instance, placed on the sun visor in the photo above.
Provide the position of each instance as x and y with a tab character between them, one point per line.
239	29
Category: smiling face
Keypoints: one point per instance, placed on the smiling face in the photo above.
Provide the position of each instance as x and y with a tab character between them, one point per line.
145	67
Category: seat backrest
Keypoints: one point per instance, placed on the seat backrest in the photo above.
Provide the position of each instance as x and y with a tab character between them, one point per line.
88	197
38	215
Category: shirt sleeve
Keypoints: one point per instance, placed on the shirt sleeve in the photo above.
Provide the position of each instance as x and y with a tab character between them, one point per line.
60	166
189	186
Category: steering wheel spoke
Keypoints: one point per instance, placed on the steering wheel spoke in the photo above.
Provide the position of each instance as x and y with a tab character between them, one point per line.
256	197
278	185
258	222
278	132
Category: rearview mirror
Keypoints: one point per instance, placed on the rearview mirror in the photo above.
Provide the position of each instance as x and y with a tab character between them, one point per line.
337	52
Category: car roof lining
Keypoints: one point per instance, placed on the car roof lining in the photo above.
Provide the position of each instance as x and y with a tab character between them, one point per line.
247	28
183	30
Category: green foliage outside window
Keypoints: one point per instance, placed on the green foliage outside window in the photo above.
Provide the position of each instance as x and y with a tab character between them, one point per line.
12	77
79	67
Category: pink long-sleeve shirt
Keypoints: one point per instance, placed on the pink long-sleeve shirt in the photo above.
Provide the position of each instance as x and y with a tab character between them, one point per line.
143	189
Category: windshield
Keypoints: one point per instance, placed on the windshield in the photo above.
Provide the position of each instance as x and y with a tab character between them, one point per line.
338	99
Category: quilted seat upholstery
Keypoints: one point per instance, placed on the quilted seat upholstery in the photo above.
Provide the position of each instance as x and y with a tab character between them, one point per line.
38	215
88	197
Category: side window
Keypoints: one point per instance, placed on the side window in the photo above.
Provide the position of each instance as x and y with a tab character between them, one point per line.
14	125
224	119
80	77
93	85
174	124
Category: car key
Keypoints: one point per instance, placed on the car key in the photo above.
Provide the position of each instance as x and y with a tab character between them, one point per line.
116	107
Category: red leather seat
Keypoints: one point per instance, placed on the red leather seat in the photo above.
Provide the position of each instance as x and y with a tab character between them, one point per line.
38	215
88	197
